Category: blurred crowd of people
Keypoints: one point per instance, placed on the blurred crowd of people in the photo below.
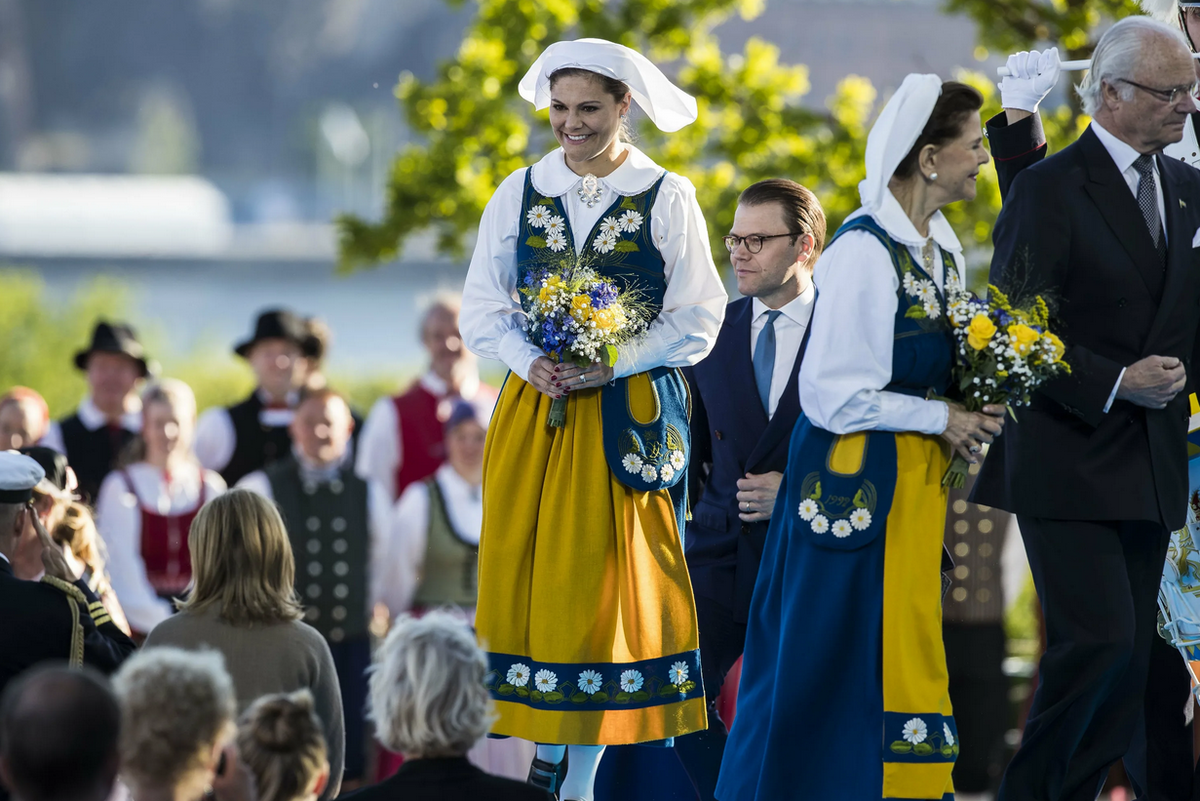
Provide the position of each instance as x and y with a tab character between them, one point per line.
301	582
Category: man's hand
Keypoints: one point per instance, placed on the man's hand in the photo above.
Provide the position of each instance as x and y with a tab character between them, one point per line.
756	495
1031	76
542	377
53	561
233	780
1152	382
967	432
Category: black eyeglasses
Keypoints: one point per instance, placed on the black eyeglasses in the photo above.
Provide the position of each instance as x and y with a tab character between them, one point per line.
1170	96
753	242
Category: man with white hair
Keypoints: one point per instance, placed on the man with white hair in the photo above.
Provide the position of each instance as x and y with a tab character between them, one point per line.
1095	469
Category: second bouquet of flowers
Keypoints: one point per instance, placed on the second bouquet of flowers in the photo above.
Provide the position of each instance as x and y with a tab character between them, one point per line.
1003	354
576	315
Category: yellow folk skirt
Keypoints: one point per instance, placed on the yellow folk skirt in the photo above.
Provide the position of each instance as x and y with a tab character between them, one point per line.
583	576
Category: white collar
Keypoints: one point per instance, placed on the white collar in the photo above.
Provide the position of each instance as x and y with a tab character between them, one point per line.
93	419
1123	154
798	309
5	558
553	178
434	385
448	477
893	219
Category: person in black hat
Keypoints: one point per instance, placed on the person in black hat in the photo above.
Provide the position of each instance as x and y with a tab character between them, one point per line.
237	440
58	618
110	415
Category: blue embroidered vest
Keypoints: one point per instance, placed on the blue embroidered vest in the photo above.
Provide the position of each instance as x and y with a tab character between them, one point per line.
620	248
842	486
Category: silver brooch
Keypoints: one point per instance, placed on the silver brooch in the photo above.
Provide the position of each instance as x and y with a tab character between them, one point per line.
589	190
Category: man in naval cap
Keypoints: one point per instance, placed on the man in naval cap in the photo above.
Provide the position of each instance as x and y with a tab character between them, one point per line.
57	618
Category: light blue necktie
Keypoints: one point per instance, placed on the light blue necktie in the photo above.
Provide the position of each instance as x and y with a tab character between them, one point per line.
764	360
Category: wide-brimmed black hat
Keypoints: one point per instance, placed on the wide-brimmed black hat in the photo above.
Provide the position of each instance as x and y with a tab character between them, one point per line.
115	338
275	324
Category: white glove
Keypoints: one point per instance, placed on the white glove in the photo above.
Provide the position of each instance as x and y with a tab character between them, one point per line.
1031	76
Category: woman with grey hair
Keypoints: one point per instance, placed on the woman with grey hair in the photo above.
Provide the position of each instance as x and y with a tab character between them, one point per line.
429	702
177	724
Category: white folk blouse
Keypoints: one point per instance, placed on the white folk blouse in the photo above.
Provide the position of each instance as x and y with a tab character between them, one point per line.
492	322
849	356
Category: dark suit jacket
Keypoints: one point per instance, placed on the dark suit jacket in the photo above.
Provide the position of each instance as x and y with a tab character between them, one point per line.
36	626
1070	226
731	437
448	779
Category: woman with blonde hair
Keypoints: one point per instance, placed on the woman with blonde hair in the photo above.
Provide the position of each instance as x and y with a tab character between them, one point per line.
279	738
243	604
147	504
177	713
429	703
71	526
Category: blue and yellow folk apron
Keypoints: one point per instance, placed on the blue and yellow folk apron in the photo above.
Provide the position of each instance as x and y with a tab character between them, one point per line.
585	604
844	692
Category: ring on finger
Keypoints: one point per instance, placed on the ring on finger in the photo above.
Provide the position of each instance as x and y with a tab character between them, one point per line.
975	449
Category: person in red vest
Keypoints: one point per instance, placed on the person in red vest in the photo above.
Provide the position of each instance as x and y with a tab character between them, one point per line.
401	442
146	506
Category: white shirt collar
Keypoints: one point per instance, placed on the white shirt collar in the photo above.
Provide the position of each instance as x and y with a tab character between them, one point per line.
5	558
93	419
449	478
553	178
798	309
434	385
893	219
1123	154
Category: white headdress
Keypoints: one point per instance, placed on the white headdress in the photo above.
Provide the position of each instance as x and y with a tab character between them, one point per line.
895	132
1163	10
668	107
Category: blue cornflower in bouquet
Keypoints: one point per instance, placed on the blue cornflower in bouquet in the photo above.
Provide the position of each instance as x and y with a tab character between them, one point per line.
576	315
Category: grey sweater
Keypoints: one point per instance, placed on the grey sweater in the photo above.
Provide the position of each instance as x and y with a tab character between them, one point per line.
263	660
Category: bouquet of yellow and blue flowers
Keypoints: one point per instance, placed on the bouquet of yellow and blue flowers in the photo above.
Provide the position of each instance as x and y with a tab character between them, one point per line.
1003	354
575	315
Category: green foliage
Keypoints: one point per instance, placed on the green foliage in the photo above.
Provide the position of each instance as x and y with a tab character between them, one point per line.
42	334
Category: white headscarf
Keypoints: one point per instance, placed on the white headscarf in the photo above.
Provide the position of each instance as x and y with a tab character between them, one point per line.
668	107
894	134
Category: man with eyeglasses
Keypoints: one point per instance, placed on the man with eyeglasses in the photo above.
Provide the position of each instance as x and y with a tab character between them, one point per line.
745	402
1096	470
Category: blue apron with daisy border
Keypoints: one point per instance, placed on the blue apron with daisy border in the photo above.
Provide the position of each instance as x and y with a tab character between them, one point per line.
844	638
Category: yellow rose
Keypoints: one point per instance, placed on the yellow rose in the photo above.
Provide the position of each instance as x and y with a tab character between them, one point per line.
553	284
980	331
603	318
1023	338
581	308
1057	345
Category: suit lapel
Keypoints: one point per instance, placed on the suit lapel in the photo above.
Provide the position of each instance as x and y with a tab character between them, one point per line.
786	413
1119	208
1179	247
742	368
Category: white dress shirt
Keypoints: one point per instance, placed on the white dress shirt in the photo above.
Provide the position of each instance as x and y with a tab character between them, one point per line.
397	569
685	331
790	326
119	522
92	419
1123	155
849	358
379	450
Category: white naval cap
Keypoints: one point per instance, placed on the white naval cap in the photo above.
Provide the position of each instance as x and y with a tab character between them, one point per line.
19	474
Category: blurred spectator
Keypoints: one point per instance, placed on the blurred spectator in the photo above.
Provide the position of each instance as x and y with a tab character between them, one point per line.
71	526
402	440
111	414
58	736
24	418
177	728
279	738
58	618
243	604
429	558
240	439
324	505
429	702
147	505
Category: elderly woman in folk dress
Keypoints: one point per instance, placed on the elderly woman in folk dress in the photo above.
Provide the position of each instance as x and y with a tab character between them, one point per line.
844	657
585	604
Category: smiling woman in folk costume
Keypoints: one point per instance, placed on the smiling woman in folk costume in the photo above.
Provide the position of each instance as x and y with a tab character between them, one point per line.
585	605
844	638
